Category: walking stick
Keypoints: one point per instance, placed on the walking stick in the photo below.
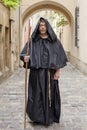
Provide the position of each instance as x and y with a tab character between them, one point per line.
27	53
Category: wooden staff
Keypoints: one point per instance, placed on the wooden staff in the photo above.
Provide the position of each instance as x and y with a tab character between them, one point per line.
26	71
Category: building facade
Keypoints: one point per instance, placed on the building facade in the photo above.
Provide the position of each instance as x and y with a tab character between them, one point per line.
12	27
9	41
5	51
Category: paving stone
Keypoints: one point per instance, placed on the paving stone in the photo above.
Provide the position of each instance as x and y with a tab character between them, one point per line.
73	90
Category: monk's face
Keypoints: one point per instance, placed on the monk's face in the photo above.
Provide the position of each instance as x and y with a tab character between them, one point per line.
42	28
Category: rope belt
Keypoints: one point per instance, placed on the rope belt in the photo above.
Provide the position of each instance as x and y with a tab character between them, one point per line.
49	88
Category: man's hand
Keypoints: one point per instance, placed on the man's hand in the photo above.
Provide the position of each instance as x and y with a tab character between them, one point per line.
26	58
57	74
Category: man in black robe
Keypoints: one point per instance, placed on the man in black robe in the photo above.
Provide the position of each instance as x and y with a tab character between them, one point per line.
46	57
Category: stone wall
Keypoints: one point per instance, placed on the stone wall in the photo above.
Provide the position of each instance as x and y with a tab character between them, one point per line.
5	52
9	41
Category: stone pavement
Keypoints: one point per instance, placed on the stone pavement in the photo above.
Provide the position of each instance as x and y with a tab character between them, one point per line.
73	89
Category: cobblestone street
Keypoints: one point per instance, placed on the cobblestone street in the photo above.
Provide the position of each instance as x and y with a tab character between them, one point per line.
73	90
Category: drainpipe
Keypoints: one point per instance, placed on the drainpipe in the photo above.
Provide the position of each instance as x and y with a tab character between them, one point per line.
10	46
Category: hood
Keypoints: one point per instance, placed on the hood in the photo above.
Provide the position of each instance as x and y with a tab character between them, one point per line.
50	31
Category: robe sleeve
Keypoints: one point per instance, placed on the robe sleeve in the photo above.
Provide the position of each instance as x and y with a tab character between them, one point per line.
61	58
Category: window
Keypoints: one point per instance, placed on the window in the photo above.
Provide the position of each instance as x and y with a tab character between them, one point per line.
76	27
6	48
1	48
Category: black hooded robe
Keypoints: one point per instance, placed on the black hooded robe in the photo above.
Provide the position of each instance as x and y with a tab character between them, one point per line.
46	55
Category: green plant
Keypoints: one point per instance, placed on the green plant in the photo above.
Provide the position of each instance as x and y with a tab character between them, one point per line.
62	21
11	3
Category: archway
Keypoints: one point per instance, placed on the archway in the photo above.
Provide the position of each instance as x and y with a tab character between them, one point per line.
47	5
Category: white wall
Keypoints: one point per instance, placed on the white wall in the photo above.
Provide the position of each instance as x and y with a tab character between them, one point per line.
81	52
66	37
83	30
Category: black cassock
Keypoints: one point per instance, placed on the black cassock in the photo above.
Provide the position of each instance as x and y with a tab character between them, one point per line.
46	55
